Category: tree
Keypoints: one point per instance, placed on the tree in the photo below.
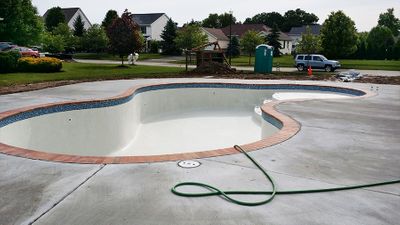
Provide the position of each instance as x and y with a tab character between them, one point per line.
361	52
53	43
250	40
110	17
79	26
21	23
69	41
273	40
226	19
95	39
125	36
380	42
267	19
234	47
338	35
388	20
218	21
396	50
54	17
168	36
190	37
309	43
298	18
193	22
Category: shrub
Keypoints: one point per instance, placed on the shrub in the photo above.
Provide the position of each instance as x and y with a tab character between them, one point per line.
44	65
8	61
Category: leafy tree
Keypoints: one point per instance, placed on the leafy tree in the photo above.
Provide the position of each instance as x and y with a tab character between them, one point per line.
211	21
79	26
190	37
338	35
95	39
361	52
396	50
168	36
54	17
225	20
110	17
70	42
234	47
298	18
53	43
21	23
193	22
154	46
388	20
267	19
380	42
125	36
250	40
309	43
273	40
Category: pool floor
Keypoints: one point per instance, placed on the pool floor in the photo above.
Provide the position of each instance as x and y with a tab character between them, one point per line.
194	133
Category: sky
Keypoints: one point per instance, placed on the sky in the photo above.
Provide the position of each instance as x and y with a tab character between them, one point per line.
364	13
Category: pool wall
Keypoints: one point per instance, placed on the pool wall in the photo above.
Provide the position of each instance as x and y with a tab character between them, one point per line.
121	134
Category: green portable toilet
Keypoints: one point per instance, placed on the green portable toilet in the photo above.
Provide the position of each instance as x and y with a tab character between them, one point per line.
264	55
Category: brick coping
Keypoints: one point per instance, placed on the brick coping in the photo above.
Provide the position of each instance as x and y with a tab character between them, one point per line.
290	127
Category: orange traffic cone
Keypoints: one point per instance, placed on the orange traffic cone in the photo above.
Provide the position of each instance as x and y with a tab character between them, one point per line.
309	71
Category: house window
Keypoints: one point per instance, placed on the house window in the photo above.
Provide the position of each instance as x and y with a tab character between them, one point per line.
284	44
143	29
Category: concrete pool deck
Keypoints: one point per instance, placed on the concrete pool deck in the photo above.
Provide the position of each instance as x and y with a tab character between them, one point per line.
341	142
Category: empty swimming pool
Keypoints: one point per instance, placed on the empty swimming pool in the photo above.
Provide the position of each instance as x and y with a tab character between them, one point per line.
157	119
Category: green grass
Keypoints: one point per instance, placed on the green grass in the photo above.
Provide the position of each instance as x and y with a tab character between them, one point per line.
81	71
106	56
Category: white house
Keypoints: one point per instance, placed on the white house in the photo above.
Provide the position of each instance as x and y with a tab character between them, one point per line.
214	35
71	14
296	32
151	24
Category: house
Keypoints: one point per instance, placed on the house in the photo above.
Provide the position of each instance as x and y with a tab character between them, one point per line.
239	30
296	32
71	14
216	35
151	24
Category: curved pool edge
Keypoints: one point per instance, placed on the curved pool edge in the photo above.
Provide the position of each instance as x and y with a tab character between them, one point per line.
290	127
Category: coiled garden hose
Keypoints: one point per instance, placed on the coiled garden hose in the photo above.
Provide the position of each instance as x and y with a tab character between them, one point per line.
271	194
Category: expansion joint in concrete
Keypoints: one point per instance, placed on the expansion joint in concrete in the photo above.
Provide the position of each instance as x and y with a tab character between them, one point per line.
67	194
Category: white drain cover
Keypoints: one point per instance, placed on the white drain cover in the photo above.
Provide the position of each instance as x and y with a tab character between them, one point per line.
188	164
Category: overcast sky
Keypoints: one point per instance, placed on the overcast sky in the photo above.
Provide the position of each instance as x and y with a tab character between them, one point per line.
364	13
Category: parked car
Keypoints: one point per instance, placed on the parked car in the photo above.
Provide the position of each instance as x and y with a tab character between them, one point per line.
303	61
26	52
4	46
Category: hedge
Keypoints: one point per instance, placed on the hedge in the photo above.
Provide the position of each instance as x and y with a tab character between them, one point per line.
9	61
43	65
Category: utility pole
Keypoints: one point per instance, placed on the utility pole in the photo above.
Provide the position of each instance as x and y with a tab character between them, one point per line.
230	38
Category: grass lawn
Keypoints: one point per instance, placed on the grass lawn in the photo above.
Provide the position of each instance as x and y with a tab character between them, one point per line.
81	71
106	56
288	61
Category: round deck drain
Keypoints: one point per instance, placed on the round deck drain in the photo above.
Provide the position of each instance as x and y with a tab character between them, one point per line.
188	164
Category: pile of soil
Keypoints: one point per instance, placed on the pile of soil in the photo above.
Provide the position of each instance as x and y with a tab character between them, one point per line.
395	80
213	68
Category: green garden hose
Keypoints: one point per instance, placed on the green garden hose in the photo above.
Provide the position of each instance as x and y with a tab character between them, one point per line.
271	194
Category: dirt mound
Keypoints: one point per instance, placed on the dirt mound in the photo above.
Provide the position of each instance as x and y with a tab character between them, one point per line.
213	68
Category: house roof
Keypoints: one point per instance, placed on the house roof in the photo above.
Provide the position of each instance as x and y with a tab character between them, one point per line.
240	29
146	19
297	31
217	33
68	13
